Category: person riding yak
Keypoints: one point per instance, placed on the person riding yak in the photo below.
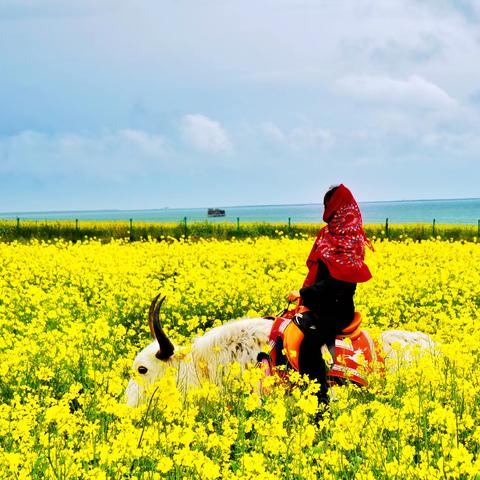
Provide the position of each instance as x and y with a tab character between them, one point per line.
335	266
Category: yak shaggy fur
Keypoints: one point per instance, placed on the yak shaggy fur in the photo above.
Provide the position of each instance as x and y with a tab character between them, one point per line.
235	341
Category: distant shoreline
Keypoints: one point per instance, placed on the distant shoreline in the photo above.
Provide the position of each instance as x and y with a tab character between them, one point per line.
281	205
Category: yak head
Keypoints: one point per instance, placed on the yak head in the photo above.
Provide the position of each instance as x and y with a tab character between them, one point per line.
153	360
238	341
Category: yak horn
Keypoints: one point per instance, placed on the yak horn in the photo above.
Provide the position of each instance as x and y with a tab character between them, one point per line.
166	346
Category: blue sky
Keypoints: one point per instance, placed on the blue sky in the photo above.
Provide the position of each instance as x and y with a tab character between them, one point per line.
183	103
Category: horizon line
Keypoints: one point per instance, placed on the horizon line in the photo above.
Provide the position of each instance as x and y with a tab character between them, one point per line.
229	206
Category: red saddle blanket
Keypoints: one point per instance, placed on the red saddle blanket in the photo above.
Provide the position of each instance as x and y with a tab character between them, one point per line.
355	354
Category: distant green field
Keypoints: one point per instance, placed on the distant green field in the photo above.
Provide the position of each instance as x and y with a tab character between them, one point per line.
23	230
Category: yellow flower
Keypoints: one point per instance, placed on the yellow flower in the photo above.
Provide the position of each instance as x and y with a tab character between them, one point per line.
73	317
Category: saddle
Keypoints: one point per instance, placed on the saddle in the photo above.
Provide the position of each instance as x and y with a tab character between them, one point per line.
353	355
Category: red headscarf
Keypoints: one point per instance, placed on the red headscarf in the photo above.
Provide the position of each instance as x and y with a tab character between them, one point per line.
341	243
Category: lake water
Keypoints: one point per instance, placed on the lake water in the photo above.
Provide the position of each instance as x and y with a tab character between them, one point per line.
462	211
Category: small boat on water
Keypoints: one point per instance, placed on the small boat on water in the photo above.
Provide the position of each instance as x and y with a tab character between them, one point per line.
216	212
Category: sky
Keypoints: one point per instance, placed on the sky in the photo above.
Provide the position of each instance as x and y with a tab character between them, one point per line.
122	104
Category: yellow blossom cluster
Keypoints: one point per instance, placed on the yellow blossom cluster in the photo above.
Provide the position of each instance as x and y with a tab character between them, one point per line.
73	317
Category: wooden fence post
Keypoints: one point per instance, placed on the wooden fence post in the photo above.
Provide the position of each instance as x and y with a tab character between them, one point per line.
433	228
238	224
386	227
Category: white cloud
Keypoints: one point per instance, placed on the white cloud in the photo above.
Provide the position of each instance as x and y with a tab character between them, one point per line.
107	154
465	144
24	9
310	137
469	9
148	143
203	133
298	138
415	90
272	132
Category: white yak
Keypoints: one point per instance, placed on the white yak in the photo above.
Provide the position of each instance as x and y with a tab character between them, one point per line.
235	341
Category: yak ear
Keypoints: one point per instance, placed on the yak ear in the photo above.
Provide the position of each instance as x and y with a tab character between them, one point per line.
166	348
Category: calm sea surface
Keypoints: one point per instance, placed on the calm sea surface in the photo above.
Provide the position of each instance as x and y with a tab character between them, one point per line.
463	211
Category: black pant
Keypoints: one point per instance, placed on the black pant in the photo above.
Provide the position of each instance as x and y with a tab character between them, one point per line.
310	359
316	333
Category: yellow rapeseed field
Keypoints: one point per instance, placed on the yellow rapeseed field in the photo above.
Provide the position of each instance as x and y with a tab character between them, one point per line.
73	317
